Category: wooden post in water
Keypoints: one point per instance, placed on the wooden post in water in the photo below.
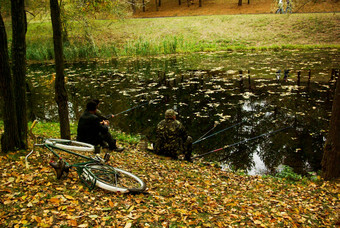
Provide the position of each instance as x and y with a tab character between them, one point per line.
332	74
309	76
249	80
299	78
241	79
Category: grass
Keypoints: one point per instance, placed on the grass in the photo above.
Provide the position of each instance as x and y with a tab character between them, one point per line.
158	36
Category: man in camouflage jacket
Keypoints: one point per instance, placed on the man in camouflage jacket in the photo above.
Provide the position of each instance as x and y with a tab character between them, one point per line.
171	137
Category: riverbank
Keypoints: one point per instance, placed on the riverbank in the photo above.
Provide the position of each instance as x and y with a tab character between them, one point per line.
145	37
178	194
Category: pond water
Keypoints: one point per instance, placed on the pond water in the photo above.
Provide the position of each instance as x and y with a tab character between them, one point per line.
222	89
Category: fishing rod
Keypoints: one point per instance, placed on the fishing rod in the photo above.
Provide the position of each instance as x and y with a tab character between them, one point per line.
227	128
215	124
243	141
127	110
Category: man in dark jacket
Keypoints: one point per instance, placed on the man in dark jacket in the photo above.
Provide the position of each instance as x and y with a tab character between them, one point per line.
172	139
91	130
99	113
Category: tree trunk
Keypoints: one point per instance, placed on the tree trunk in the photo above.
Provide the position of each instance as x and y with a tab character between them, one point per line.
10	139
331	156
200	3
60	90
133	6
19	67
240	2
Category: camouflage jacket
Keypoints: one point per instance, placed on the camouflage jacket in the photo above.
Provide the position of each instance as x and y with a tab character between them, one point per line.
170	138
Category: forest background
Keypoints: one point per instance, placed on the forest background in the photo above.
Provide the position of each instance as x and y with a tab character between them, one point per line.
94	32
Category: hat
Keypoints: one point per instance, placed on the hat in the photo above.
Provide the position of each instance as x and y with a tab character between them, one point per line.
170	113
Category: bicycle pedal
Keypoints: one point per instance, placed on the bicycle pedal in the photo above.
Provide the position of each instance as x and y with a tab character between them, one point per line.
97	158
106	157
59	167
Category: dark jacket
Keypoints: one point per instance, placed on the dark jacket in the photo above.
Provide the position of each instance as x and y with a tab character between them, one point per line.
89	129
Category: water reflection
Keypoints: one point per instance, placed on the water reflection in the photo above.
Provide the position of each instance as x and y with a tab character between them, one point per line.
205	88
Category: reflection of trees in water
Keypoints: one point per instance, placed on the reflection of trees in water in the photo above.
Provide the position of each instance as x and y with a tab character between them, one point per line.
240	156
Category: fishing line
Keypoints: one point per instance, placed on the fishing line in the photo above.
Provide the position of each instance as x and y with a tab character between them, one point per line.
201	139
243	141
134	107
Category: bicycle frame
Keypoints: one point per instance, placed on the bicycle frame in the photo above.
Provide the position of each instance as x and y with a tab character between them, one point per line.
93	172
79	166
51	147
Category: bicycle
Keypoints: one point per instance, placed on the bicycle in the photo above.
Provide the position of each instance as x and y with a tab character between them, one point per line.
92	171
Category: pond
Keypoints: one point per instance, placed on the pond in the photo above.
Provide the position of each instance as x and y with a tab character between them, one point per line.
242	94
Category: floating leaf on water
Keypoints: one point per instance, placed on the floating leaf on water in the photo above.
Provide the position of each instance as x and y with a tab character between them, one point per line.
223	117
247	95
217	69
231	71
199	73
300	113
319	101
285	94
213	105
182	104
261	80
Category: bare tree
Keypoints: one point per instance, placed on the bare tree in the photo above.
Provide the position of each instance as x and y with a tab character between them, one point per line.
331	156
60	90
19	28
10	139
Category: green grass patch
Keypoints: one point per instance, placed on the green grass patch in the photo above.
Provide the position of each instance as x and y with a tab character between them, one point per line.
159	36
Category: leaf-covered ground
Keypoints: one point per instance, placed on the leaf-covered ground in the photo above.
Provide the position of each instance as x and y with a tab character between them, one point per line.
178	194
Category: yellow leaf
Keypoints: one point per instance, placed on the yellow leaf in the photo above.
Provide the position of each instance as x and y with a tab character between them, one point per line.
11	179
128	225
72	222
69	197
55	200
131	208
37	219
257	222
111	203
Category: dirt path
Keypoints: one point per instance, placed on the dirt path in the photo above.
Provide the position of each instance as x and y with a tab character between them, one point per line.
221	7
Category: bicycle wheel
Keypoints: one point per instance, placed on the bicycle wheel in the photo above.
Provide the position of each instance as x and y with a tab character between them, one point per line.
70	145
113	179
